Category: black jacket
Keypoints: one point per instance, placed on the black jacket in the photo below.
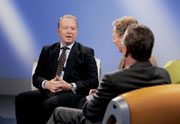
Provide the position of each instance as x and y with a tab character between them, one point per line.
80	68
138	75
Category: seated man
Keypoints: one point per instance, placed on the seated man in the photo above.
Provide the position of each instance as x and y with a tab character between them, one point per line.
65	73
121	25
136	48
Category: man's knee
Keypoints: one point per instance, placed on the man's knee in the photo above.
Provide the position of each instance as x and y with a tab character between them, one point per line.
19	99
71	114
26	98
60	111
48	105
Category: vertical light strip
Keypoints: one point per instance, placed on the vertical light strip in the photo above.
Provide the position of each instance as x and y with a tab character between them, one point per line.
153	14
16	31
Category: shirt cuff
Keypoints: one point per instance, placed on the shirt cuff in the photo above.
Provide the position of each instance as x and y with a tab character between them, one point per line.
74	87
43	86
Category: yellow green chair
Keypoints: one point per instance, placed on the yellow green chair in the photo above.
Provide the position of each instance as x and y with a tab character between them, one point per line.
173	67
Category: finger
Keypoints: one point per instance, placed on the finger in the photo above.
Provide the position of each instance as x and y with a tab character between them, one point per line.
54	79
92	91
57	85
59	89
53	91
58	78
59	82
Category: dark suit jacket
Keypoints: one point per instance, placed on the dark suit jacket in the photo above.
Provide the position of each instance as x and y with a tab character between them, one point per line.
80	67
138	75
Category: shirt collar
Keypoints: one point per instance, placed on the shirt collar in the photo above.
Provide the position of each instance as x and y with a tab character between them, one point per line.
69	47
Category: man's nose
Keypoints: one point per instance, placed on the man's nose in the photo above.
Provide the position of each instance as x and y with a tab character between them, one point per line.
69	30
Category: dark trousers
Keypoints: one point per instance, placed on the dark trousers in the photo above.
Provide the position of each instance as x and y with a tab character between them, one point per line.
34	107
64	115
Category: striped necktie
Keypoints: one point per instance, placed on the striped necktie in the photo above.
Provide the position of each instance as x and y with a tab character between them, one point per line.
61	61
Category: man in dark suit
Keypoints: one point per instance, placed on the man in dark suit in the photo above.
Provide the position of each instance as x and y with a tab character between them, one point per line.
65	73
136	48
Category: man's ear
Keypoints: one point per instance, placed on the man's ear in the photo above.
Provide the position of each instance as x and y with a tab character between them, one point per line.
58	31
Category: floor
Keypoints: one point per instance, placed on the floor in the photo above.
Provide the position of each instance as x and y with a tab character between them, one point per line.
7	109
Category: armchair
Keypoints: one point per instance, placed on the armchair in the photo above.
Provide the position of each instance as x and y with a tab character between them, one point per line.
150	105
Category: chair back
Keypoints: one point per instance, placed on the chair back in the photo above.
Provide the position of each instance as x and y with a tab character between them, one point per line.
98	63
173	67
35	62
151	105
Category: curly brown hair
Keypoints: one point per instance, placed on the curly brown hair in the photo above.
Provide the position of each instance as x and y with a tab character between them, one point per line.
122	24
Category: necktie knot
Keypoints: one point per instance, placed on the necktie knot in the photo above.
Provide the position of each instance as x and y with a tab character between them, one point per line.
64	48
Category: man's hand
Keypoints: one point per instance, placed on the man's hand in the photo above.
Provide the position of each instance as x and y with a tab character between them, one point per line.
57	84
52	85
92	91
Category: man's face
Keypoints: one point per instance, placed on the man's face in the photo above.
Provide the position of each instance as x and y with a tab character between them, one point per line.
67	31
117	39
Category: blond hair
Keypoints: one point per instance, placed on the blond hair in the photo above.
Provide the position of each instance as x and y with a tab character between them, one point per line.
67	16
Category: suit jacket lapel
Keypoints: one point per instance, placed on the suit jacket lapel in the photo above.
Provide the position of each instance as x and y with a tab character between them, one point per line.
73	55
54	58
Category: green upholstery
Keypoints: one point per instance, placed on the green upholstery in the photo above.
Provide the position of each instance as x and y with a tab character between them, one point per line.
173	67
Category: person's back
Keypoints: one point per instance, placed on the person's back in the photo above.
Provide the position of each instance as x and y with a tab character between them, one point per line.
139	75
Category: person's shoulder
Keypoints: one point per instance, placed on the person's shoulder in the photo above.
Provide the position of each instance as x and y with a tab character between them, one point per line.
115	73
83	47
161	70
51	46
162	73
